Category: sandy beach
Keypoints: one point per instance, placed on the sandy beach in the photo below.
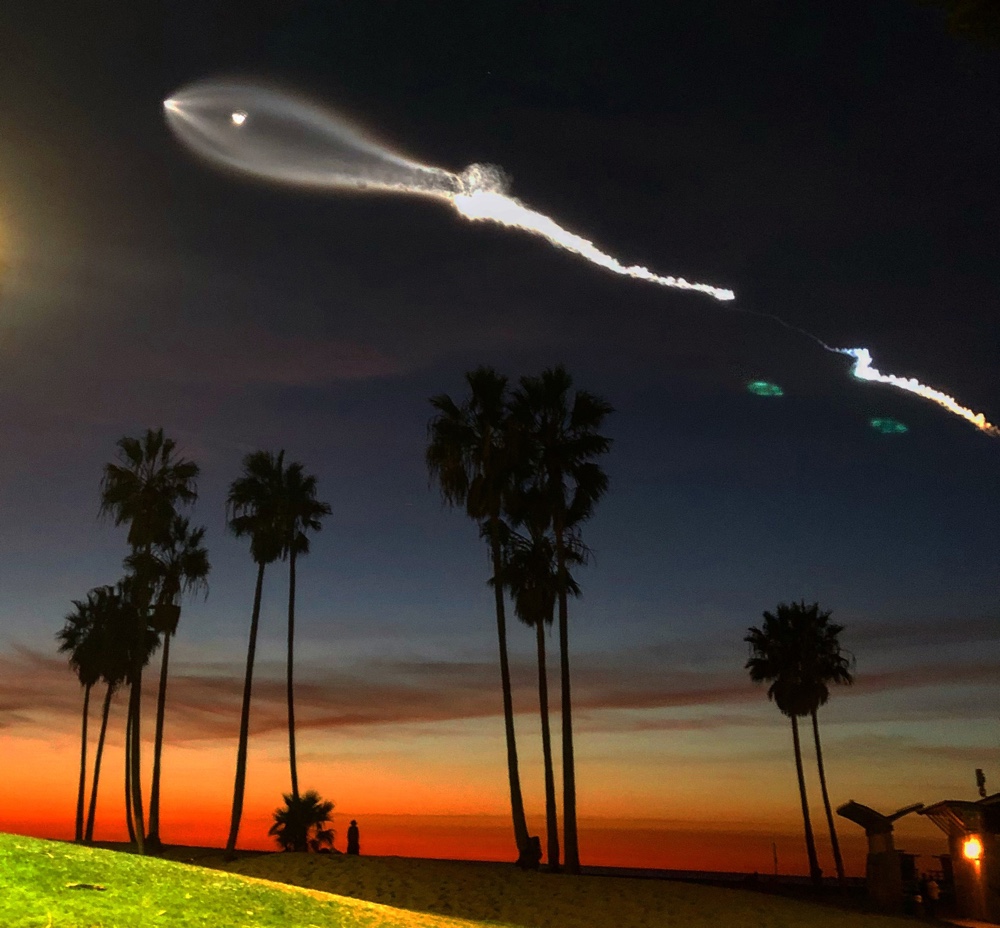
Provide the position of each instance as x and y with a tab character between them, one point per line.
497	892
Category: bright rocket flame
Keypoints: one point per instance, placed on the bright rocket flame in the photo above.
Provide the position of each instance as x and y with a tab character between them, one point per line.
283	138
864	371
491	206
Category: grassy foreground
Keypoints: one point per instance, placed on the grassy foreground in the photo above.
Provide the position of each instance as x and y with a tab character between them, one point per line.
49	884
36	891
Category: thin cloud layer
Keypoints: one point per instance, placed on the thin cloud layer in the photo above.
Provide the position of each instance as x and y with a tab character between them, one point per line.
204	700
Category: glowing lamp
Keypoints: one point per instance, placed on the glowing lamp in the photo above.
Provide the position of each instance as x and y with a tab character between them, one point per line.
972	848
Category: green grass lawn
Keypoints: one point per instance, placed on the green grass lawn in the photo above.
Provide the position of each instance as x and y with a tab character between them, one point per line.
50	883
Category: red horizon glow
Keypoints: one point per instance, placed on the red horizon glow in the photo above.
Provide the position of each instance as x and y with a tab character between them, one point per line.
705	792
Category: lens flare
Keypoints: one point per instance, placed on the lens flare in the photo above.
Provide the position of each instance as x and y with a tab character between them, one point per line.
283	138
889	426
764	388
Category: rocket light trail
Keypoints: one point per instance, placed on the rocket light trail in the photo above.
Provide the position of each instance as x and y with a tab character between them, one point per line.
275	136
863	370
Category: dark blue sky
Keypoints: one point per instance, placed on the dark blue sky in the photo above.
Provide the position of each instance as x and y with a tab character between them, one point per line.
834	164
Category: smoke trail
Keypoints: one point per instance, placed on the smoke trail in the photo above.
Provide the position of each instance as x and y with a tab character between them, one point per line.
275	136
863	370
496	207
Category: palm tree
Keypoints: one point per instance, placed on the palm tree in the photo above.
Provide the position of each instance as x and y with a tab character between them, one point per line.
562	442
299	825
832	666
254	510
784	653
176	564
143	490
531	576
81	637
301	513
117	617
470	454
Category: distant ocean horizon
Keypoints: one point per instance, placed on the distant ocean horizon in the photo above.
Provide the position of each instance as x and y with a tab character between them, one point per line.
610	846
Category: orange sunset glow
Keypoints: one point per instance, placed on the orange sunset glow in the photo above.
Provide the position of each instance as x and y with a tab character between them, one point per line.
670	799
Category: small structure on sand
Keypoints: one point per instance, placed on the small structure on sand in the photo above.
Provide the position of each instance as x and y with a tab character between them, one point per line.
973	830
886	869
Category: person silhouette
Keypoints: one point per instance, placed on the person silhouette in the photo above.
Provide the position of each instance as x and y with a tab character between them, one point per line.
353	839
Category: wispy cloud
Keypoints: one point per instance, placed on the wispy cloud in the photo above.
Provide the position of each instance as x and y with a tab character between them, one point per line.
949	630
204	700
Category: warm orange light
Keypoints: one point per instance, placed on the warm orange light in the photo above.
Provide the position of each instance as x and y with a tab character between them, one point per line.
972	848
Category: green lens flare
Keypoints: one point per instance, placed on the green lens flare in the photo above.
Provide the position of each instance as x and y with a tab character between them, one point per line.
889	426
763	388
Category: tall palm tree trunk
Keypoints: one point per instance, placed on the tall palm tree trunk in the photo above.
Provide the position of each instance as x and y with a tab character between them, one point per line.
291	698
81	791
241	753
552	825
128	773
572	849
814	871
91	812
516	801
837	859
154	795
135	712
135	766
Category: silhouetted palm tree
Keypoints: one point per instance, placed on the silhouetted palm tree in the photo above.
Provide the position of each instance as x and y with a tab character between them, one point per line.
563	441
299	825
143	490
469	453
531	574
82	637
784	653
176	564
301	513
254	511
119	624
832	666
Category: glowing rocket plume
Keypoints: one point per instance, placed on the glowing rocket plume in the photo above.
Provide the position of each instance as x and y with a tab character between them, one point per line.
275	136
496	207
864	371
272	135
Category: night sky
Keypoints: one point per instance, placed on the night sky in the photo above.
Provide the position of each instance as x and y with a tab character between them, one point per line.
836	165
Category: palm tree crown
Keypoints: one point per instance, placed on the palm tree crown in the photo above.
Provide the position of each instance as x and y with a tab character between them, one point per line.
254	505
470	449
797	651
300	824
564	442
84	637
144	488
300	511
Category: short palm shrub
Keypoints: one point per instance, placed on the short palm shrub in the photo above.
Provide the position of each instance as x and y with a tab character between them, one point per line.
300	825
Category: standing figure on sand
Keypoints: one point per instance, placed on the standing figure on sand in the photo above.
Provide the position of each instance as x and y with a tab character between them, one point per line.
353	839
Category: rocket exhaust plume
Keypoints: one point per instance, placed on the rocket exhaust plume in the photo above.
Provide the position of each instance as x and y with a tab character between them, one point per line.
275	136
863	370
272	135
